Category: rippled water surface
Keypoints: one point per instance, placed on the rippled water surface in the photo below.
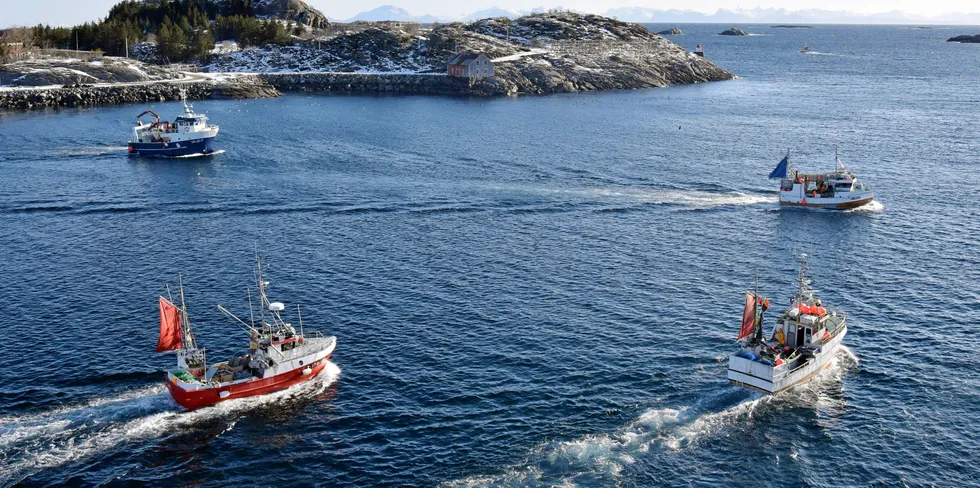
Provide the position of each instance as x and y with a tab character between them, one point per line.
530	291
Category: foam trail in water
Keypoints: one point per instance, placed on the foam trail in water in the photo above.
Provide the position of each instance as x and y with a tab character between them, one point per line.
692	198
35	442
89	151
199	155
874	207
601	458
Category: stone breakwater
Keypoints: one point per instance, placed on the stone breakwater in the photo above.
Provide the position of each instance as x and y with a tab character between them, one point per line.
425	84
242	87
254	86
527	77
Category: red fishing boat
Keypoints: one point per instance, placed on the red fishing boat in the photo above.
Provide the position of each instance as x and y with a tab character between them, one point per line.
279	356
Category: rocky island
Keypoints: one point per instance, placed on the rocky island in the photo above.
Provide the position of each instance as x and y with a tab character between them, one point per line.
734	32
966	39
671	32
535	54
541	53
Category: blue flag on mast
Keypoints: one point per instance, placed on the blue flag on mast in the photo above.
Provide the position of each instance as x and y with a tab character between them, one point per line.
781	169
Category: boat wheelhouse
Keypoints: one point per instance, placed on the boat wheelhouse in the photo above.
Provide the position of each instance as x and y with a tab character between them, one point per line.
188	135
803	342
279	356
838	190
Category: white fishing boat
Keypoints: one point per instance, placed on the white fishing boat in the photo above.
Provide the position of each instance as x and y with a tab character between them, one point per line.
838	190
804	340
190	134
279	356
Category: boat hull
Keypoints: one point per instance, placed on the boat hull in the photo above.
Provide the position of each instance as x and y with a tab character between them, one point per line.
201	146
769	379
828	203
194	399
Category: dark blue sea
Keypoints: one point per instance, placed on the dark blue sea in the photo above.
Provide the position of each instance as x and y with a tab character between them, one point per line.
531	291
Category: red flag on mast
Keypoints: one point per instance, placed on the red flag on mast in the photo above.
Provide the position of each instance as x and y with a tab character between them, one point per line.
170	337
748	317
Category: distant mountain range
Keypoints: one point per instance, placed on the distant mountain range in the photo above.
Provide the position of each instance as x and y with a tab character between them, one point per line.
775	16
722	16
391	12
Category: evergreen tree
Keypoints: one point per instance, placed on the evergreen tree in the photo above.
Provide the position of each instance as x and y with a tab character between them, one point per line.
201	45
172	42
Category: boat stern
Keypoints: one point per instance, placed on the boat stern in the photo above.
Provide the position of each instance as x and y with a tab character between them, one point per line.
747	372
193	395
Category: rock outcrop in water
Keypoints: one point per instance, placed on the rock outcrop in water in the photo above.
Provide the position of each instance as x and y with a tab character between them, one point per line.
535	54
671	32
540	53
734	32
966	39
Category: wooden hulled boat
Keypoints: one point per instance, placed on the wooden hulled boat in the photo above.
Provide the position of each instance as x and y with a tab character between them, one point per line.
838	190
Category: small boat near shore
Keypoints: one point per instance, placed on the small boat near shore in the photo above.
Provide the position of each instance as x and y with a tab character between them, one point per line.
838	190
188	135
279	356
804	340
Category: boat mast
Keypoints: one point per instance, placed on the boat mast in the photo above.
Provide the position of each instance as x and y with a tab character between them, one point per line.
300	315
758	310
262	299
838	164
251	315
190	343
802	293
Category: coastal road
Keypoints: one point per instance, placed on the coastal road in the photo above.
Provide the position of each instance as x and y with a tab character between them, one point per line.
188	77
515	57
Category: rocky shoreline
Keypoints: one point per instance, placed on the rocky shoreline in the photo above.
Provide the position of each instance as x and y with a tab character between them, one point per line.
536	54
420	84
965	39
512	80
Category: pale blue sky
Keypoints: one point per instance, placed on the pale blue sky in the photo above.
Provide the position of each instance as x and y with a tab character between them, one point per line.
68	12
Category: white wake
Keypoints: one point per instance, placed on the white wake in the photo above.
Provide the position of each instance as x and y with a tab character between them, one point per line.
41	441
671	431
